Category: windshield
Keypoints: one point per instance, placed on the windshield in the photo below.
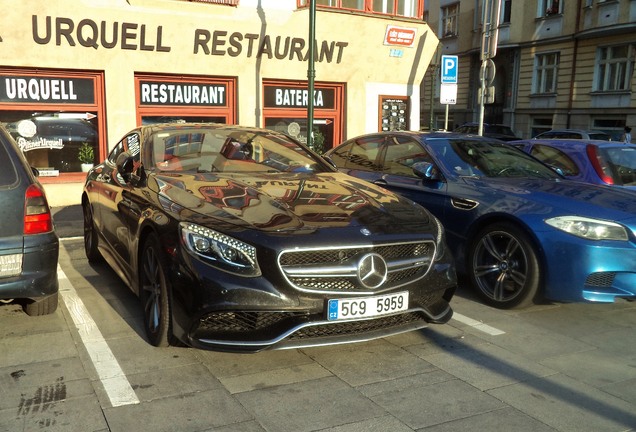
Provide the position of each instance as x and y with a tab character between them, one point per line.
499	129
227	150
488	159
622	164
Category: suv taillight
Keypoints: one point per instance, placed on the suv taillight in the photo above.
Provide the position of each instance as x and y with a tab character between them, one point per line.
37	215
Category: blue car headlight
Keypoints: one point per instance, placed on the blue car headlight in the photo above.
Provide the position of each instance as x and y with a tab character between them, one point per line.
220	250
587	228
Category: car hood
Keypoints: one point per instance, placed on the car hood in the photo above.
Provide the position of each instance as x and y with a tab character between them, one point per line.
550	197
288	201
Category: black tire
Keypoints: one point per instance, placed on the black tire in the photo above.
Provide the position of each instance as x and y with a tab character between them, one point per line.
91	238
504	267
45	306
154	293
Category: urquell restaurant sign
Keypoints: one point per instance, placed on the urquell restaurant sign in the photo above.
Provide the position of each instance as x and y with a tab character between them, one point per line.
46	89
88	33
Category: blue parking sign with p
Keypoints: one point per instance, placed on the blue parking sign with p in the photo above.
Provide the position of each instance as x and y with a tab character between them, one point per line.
449	69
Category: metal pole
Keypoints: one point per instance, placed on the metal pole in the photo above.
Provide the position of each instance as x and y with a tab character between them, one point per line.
311	74
482	80
435	66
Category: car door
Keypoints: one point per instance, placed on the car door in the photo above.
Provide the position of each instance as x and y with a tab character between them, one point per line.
397	157
115	207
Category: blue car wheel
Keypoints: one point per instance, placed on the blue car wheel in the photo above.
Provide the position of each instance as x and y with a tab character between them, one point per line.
504	267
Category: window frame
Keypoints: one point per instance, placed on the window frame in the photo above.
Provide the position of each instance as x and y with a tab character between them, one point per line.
368	7
449	20
606	72
547	8
541	71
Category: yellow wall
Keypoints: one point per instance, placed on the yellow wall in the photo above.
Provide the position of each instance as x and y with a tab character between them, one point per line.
171	29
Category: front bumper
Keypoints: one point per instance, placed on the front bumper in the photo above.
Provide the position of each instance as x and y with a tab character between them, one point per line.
220	311
583	270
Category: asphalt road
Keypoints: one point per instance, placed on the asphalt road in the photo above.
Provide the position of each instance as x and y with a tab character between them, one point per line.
87	367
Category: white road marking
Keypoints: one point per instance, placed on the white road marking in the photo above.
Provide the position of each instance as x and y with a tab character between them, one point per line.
115	383
477	325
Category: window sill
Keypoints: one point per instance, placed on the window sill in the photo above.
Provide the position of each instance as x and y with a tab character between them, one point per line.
78	177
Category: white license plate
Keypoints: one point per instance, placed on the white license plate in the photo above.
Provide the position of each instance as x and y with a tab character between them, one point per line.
365	307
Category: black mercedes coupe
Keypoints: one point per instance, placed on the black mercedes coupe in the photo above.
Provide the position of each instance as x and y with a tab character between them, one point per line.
242	239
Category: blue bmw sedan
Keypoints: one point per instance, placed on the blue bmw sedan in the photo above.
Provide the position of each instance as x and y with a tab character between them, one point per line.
518	230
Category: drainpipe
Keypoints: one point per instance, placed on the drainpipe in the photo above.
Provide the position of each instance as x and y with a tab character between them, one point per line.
577	28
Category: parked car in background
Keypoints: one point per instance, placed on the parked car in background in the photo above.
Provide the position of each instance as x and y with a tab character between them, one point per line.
241	239
601	162
518	229
29	246
499	131
574	134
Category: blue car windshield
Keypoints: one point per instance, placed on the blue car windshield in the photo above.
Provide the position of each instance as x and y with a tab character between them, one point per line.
488	159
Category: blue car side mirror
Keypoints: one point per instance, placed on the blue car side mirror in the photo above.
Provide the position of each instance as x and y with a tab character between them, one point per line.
427	171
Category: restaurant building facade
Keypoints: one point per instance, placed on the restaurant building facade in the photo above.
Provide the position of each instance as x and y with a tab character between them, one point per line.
80	74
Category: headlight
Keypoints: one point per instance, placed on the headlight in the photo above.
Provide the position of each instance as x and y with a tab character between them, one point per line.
591	229
220	250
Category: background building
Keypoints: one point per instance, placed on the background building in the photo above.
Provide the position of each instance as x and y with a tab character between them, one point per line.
559	64
78	74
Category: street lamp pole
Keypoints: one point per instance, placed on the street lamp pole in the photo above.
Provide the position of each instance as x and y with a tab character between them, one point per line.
490	35
311	74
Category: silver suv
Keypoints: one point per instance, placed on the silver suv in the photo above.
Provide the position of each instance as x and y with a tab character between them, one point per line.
574	134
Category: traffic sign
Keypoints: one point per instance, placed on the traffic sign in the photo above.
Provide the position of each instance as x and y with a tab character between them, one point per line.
449	68
448	94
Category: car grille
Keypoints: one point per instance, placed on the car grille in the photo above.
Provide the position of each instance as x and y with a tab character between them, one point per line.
357	327
335	269
601	279
263	328
245	321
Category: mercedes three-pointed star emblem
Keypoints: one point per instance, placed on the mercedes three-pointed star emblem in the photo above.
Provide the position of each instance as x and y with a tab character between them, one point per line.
372	270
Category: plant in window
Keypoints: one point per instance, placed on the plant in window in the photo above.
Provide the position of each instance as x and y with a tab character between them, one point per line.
86	154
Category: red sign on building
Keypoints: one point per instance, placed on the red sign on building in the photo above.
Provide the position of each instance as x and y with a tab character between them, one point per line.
401	36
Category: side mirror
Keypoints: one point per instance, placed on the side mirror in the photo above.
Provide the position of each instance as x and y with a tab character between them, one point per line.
329	161
557	169
125	165
35	171
427	171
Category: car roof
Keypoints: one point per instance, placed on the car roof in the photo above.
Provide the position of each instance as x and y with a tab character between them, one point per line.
171	126
432	135
573	143
579	131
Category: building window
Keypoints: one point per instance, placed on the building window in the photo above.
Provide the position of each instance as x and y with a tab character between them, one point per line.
506	11
539	125
615	66
613	126
223	2
545	73
450	14
550	7
406	8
